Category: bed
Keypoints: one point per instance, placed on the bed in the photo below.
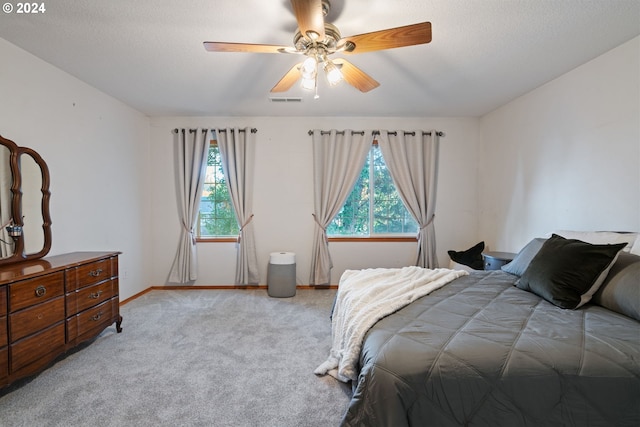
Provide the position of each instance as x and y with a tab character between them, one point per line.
485	350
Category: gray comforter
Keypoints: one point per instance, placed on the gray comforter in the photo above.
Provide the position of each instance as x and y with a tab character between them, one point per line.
481	352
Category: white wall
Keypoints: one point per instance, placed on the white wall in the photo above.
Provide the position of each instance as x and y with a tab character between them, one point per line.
97	152
564	156
283	201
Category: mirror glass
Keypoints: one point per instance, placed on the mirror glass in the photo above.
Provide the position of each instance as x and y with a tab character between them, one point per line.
24	199
6	180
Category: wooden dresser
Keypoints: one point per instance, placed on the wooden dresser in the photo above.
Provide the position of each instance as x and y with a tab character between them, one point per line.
49	306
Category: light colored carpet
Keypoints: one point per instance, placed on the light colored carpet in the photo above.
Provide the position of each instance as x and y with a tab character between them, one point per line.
193	358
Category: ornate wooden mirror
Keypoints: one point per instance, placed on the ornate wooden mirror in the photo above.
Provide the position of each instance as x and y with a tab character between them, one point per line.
24	204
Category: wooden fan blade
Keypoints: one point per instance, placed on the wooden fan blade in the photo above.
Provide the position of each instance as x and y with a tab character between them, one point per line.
310	18
408	35
355	76
288	79
244	47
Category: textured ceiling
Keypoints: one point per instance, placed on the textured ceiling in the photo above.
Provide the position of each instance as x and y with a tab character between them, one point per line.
484	53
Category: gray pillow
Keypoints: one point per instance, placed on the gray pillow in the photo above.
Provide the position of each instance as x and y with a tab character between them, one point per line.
620	291
567	272
521	261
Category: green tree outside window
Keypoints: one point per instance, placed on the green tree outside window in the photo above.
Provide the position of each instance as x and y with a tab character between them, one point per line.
374	207
216	217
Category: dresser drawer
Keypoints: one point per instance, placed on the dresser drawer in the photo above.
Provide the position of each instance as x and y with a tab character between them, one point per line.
89	296
3	331
30	320
4	364
89	322
88	274
34	291
3	300
37	347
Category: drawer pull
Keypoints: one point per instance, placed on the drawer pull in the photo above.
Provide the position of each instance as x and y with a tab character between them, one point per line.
95	273
95	295
97	316
40	291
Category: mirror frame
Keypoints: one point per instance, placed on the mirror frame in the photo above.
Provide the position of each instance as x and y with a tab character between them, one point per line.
16	202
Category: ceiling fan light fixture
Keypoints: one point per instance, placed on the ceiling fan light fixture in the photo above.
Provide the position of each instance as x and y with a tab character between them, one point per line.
334	76
309	84
309	67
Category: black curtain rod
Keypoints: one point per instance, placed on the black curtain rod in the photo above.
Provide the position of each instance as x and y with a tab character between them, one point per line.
375	132
253	130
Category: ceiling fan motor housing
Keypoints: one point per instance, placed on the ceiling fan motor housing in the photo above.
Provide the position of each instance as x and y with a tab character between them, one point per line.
329	43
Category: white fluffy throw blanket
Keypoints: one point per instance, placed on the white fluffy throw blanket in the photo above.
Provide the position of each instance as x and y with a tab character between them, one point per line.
366	296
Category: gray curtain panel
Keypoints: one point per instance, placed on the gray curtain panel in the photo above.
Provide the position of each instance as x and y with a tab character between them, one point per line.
338	159
237	152
192	147
412	161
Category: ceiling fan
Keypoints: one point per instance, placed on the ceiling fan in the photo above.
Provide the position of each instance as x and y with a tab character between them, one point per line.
317	40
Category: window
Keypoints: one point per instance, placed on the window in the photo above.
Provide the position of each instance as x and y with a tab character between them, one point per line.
374	208
216	217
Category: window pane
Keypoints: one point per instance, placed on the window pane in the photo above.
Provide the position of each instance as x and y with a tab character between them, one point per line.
217	217
389	213
353	218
